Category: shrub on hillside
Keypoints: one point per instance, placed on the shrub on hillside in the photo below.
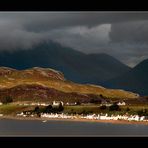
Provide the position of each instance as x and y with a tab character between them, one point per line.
7	99
78	103
103	107
114	107
37	109
48	109
127	109
143	112
95	100
60	108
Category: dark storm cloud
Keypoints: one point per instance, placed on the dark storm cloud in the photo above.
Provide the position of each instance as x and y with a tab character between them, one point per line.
46	21
135	31
122	35
125	41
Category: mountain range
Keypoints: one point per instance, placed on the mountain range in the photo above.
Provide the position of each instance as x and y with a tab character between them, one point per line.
76	66
101	69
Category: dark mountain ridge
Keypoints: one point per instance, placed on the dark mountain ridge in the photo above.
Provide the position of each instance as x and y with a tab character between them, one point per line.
135	80
77	66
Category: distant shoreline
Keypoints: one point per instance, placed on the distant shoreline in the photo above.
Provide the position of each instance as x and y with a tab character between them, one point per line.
74	120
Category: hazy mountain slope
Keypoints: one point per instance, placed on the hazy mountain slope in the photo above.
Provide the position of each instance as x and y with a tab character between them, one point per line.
77	66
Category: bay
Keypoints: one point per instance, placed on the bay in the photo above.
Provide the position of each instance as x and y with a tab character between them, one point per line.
54	128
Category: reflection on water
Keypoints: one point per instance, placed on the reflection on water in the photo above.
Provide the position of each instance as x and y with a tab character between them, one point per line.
68	128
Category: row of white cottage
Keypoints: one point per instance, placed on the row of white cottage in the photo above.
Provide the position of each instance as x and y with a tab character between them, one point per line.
55	103
97	117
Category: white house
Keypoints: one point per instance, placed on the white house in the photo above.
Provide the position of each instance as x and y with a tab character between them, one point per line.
121	103
71	103
57	103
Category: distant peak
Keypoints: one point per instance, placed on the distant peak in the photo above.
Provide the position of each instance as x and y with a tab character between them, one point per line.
143	64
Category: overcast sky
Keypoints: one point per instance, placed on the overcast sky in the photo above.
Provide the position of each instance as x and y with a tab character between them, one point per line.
123	35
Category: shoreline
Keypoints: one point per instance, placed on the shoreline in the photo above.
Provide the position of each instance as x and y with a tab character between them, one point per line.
73	120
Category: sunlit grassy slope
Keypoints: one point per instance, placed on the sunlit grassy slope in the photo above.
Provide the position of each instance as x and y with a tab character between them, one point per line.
47	77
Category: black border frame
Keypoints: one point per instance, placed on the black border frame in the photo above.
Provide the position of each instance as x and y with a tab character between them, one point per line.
73	141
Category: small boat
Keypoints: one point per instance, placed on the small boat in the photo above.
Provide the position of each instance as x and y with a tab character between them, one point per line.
44	121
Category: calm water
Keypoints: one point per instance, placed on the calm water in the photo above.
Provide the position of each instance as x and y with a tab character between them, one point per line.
68	128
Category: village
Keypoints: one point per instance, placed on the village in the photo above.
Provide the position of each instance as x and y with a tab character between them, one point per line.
55	109
56	103
101	116
90	117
